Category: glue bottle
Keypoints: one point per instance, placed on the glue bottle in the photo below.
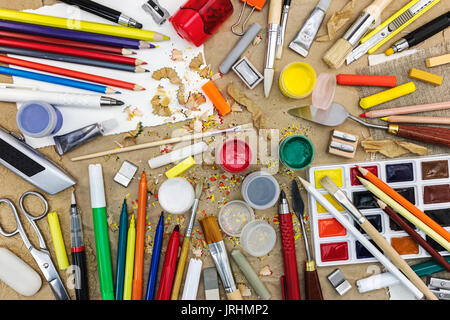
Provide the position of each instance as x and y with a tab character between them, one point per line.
197	20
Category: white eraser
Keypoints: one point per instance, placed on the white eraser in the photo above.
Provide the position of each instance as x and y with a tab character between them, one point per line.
18	275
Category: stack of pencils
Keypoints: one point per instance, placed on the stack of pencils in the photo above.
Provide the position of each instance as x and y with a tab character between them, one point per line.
93	44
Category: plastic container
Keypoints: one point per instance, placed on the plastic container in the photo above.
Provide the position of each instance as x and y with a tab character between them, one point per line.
235	155
39	119
296	152
197	20
258	238
260	190
176	195
323	93
234	215
297	80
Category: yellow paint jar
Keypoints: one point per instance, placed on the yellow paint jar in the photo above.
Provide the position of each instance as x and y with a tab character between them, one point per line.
297	80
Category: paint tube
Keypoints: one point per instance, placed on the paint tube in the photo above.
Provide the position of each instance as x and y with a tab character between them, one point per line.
66	142
305	37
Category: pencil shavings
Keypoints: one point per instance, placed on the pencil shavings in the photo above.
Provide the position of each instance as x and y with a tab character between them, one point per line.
194	101
132	112
197	248
245	291
338	20
177	55
132	135
412	147
235	107
160	103
167	73
245	101
265	271
392	148
206	72
111	224
181	95
196	62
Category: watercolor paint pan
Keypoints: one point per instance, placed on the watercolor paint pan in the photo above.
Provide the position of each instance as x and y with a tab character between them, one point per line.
424	181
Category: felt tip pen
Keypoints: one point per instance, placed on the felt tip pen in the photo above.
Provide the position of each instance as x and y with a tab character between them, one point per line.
98	203
129	264
121	252
78	253
154	264
169	266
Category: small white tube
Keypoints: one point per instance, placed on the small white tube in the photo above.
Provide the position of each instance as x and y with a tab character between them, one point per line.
178	154
377	281
97	187
192	280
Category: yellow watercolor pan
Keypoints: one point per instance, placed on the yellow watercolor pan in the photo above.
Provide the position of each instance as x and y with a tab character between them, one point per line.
335	174
333	201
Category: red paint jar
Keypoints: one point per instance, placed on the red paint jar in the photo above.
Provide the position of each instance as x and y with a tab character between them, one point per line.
235	155
197	20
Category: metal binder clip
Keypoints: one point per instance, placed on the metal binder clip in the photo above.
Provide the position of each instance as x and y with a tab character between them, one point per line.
158	13
255	4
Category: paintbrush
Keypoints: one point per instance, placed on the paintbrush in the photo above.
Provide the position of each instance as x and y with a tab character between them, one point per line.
376	236
337	54
312	284
186	243
219	254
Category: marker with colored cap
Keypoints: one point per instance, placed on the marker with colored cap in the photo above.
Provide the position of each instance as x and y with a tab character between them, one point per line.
98	203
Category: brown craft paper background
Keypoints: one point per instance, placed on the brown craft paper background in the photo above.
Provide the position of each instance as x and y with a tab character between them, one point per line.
217	47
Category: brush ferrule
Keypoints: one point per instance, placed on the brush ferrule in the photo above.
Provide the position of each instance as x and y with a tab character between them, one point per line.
220	257
272	35
359	28
342	198
192	218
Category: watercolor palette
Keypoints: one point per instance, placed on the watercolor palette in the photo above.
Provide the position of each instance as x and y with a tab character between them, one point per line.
425	182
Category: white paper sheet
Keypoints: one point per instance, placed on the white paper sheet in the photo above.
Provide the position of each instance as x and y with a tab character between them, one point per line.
157	58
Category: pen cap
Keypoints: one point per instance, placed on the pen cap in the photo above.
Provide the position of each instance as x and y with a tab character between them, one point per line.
323	5
216	97
97	188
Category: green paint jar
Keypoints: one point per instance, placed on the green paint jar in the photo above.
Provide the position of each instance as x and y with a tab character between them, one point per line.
296	152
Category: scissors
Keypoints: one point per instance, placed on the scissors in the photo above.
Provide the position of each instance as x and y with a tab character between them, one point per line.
41	255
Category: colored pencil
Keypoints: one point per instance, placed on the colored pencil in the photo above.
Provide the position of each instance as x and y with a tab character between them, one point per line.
404	203
418	119
121	252
156	254
417	237
71	73
66	43
71	59
80	36
406	110
129	262
70	51
405	213
81	25
56	80
170	263
140	240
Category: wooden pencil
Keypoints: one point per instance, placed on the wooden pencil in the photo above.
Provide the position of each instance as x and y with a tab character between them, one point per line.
70	51
71	73
406	110
416	119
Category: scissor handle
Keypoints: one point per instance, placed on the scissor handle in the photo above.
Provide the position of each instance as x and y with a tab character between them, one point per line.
16	215
32	218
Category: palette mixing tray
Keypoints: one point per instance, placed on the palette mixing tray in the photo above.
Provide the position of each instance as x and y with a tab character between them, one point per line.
423	181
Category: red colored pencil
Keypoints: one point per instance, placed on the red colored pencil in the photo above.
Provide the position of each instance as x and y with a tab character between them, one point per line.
71	73
66	43
169	266
70	51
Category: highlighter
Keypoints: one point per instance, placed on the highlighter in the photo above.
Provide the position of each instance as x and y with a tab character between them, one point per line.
216	97
387	95
58	241
98	202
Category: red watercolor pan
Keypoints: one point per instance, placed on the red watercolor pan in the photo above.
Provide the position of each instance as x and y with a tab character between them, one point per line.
354	173
336	251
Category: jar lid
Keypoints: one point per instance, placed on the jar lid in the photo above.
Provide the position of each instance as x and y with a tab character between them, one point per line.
260	190
323	93
234	215
258	238
37	119
176	195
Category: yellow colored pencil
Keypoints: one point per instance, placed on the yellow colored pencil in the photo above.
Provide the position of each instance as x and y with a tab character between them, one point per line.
405	213
81	25
129	262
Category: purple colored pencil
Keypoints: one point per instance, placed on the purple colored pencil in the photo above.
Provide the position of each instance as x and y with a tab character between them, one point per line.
74	35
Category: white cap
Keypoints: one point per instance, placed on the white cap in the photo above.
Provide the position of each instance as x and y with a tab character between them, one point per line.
324	4
97	187
108	125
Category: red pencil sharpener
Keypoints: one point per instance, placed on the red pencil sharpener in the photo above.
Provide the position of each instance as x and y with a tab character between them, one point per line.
197	20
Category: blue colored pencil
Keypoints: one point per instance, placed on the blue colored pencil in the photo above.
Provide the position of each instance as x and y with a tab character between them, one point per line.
121	252
154	265
56	80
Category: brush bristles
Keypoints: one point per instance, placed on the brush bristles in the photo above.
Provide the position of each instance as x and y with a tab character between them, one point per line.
211	229
337	54
198	189
329	185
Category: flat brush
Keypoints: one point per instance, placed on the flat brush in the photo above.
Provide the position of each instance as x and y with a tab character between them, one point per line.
219	254
337	54
186	244
381	242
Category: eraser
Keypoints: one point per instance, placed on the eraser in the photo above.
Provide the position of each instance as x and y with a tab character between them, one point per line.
180	168
425	76
18	275
387	95
211	284
58	241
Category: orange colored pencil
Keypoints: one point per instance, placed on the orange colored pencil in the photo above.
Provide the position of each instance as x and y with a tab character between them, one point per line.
70	73
140	239
405	203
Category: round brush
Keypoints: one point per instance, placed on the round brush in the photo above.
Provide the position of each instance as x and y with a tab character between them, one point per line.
216	246
337	54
